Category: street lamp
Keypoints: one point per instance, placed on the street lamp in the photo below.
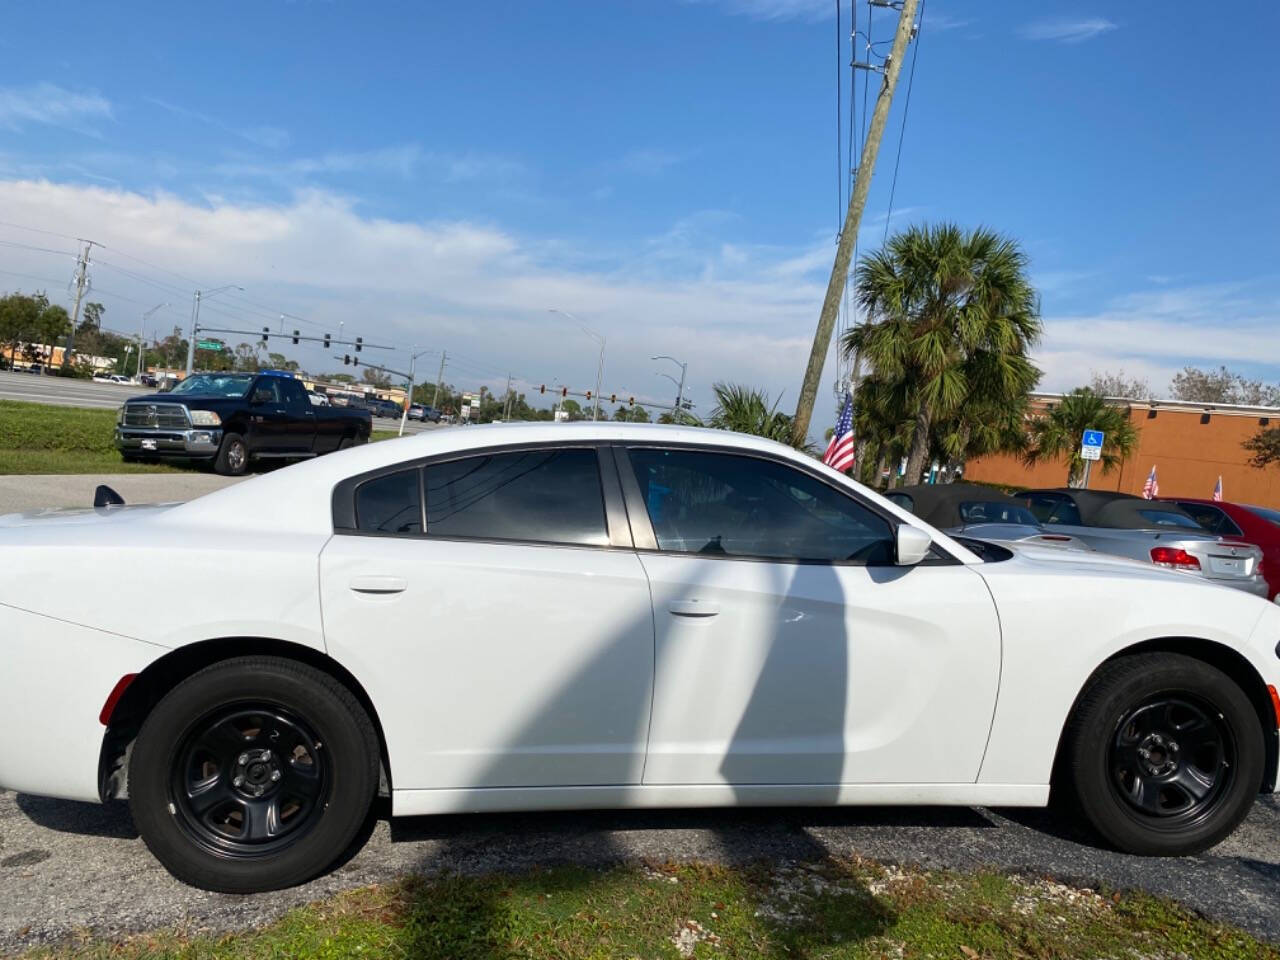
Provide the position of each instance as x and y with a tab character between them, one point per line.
684	369
595	412
408	402
195	320
142	333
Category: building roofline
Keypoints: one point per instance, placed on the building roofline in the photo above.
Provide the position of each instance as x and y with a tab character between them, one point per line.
1189	406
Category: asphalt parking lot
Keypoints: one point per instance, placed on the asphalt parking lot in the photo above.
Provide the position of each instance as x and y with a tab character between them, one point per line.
72	867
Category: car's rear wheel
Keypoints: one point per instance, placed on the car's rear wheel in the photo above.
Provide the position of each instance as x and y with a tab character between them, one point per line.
1164	754
254	774
233	456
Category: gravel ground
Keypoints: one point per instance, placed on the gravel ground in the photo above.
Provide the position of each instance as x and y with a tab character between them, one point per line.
21	492
68	867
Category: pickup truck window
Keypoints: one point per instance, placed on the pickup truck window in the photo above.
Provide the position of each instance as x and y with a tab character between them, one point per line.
295	398
229	385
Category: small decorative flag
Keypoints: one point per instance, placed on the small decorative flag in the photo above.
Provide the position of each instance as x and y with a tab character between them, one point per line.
839	453
1151	488
1217	490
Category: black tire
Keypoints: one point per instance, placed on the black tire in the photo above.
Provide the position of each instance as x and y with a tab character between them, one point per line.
233	456
1164	754
314	786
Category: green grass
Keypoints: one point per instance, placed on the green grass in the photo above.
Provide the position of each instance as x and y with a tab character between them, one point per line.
41	438
840	910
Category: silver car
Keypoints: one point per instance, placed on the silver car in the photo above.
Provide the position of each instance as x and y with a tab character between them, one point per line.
1149	530
983	513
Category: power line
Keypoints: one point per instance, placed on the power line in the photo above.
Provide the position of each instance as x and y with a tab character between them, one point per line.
906	106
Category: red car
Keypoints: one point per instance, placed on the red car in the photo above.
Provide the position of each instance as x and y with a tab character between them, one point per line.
1239	521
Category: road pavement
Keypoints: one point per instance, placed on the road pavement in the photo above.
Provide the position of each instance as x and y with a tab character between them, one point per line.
19	493
67	867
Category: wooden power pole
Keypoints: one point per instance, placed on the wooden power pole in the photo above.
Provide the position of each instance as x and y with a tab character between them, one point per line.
852	222
82	284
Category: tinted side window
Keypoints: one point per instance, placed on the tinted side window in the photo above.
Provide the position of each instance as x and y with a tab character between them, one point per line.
1212	519
552	496
903	500
295	398
726	505
390	504
1163	518
1053	508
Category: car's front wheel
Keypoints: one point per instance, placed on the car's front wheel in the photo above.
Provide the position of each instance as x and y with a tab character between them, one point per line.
254	774
232	459
1164	754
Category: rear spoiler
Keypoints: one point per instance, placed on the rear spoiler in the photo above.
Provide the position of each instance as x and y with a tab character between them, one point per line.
104	496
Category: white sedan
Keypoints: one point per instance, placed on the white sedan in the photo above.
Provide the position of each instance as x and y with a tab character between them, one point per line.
596	615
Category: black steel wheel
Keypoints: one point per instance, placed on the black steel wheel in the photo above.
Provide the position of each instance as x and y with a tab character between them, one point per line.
1164	754
250	779
254	774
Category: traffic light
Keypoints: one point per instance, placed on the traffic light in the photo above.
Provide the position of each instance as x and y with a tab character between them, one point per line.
588	394
266	332
631	402
295	338
359	344
564	392
326	341
346	359
356	361
543	388
613	398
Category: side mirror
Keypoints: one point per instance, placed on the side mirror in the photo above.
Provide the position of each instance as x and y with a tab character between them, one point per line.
913	545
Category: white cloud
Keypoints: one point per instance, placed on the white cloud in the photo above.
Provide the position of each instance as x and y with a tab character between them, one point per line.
1154	334
51	105
734	312
1067	31
405	161
273	138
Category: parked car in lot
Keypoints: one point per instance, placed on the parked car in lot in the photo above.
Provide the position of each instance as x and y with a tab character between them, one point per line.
229	419
1240	522
1148	530
984	513
317	399
383	408
531	617
424	413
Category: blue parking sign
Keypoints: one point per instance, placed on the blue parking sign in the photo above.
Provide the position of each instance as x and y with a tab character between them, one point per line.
1092	438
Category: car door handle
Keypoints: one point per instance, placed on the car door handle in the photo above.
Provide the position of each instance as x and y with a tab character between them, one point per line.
694	608
379	585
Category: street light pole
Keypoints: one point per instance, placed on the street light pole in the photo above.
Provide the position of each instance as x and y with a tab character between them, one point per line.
595	412
142	332
408	402
195	321
684	369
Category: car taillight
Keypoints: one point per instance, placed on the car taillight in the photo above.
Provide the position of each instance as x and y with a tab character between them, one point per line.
1174	557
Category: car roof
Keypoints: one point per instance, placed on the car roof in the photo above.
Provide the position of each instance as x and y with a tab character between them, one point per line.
298	499
1109	508
939	503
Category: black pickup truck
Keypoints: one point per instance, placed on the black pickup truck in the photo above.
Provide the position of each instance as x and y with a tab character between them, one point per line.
227	419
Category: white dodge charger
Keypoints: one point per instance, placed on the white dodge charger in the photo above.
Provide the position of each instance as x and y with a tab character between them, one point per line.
570	616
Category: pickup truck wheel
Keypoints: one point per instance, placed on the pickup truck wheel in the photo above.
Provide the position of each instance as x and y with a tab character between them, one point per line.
233	456
254	774
1164	754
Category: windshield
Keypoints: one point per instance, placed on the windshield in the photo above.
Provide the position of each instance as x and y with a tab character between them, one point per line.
1273	516
1163	518
215	385
991	511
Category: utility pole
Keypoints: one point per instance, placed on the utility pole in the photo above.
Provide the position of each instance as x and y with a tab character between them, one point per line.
852	221
506	407
82	284
195	320
435	400
141	333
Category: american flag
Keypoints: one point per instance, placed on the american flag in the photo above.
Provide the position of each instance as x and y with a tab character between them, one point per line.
1217	490
840	450
1151	488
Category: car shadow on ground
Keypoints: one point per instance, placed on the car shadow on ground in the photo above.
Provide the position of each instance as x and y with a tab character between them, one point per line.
110	820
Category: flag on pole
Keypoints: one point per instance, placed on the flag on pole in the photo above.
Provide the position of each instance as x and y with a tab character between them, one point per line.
839	453
1217	490
1151	488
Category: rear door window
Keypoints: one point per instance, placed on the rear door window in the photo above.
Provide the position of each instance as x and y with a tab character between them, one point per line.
546	496
390	504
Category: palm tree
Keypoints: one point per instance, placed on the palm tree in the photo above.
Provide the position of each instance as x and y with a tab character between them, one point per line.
747	410
951	318
1059	431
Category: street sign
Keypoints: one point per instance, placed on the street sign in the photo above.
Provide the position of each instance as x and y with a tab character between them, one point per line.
1091	445
209	345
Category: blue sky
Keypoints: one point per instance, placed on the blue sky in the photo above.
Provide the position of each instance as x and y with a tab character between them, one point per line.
443	174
